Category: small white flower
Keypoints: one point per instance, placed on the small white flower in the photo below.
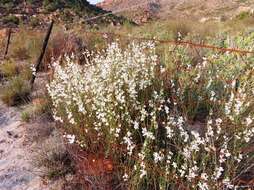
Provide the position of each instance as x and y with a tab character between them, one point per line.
70	138
249	121
174	165
148	134
125	177
158	157
218	172
170	132
203	186
136	125
204	176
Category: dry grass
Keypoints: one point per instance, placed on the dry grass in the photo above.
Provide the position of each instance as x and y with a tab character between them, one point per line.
2	45
39	108
15	92
20	53
52	157
9	68
27	44
60	45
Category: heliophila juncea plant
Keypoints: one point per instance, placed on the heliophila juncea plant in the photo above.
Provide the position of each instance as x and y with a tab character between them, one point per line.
186	126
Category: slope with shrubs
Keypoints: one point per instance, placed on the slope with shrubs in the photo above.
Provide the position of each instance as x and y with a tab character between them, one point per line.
37	13
183	119
145	10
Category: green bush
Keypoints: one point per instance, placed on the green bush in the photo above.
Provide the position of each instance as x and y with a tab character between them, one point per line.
31	2
10	20
243	15
51	6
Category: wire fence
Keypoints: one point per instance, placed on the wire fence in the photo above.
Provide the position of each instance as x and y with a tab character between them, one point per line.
6	42
175	42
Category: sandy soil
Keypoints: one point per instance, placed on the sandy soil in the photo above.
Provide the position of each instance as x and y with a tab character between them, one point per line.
16	170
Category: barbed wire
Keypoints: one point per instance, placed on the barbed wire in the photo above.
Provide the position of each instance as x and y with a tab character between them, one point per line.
175	42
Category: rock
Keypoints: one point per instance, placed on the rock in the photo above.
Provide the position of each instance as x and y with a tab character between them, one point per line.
16	136
10	134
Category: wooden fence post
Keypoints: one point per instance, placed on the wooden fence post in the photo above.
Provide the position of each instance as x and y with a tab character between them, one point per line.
7	43
38	63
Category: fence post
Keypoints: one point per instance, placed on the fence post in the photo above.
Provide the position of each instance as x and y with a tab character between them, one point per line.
38	63
7	43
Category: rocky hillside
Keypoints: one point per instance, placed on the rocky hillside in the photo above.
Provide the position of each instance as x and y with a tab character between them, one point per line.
38	12
165	9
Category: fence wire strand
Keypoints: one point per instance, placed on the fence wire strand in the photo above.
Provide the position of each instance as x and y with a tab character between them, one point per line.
175	42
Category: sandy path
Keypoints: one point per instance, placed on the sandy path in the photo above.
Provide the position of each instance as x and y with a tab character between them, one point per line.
15	167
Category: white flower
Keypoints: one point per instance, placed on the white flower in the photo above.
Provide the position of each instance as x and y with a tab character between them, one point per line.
143	172
33	69
125	177
203	186
170	132
227	183
130	145
212	98
136	125
204	176
70	138
158	157
249	121
166	109
148	134
218	121
239	158
174	165
218	172
192	173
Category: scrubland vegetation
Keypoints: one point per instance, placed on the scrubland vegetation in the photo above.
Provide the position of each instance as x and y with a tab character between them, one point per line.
187	121
161	116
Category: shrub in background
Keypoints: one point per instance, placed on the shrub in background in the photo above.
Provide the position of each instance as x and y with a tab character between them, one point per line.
34	22
10	19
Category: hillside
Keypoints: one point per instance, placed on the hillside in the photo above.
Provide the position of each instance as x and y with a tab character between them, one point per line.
172	9
38	12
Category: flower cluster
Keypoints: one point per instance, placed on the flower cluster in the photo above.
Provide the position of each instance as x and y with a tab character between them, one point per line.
187	126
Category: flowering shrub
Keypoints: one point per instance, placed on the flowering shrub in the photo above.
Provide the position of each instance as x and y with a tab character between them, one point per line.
179	124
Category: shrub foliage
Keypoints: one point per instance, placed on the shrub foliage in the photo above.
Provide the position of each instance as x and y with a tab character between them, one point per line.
178	122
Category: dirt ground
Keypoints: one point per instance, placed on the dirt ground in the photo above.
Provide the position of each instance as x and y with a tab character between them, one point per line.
16	150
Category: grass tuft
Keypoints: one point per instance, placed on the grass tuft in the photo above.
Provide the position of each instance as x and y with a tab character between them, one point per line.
16	91
54	158
9	69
